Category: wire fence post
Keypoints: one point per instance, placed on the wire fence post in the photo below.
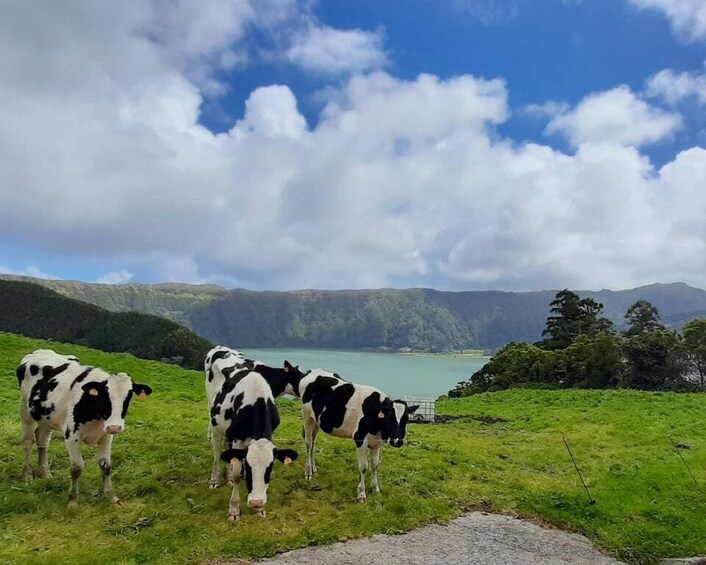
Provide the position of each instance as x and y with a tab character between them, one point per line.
591	500
676	450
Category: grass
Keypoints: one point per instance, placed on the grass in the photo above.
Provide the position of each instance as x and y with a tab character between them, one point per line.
647	505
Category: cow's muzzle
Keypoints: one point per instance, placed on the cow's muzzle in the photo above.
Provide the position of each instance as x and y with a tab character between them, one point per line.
396	442
256	503
114	429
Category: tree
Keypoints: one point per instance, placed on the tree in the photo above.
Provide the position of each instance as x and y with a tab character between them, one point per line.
655	361
642	317
570	317
695	349
593	361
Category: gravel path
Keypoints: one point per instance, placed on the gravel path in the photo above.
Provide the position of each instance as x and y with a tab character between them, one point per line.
476	538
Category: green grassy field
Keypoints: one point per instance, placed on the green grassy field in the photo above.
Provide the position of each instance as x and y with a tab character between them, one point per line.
647	505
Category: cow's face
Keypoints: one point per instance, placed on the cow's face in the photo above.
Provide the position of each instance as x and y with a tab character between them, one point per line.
294	375
257	462
396	417
108	400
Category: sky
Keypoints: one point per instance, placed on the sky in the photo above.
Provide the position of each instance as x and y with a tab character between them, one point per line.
283	144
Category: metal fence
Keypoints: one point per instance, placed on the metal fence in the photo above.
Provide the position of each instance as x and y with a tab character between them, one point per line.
426	413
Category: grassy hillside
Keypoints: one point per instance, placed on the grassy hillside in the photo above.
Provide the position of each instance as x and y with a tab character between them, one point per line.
34	311
503	453
421	319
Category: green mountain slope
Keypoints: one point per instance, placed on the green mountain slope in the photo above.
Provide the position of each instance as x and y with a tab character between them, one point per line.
420	319
35	311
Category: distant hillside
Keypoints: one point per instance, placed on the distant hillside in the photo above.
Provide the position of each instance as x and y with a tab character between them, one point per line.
420	319
35	311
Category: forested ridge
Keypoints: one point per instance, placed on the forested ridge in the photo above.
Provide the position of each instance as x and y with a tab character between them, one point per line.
35	311
418	319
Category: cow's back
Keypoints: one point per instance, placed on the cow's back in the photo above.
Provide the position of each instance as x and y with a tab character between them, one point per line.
244	410
220	364
45	379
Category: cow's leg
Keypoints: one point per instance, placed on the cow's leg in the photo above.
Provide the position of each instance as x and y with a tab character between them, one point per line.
105	446
311	429
28	426
73	446
43	436
362	450
234	503
375	461
217	440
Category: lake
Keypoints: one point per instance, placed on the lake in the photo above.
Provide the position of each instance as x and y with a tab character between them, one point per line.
394	374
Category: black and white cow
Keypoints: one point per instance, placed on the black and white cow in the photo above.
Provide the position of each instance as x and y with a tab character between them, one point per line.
85	404
223	364
348	410
244	414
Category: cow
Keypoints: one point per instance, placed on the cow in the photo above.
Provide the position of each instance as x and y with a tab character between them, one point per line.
86	404
347	410
223	364
244	414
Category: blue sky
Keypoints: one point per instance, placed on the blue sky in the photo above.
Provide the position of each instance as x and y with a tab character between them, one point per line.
283	144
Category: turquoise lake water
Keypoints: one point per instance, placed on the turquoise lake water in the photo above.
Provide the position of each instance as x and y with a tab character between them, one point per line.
396	375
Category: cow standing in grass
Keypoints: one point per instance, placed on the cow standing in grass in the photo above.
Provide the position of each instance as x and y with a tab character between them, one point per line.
244	414
354	411
85	404
223	364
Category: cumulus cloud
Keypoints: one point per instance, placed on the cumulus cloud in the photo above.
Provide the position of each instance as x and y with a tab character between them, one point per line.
687	17
326	50
615	116
673	87
397	182
116	277
271	111
31	271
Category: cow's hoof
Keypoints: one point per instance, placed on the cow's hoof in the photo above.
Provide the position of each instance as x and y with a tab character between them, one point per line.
73	503
262	514
213	485
233	517
376	490
45	474
27	478
362	499
114	499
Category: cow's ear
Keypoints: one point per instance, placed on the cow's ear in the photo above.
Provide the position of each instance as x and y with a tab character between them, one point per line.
412	409
287	366
91	388
234	456
142	391
286	456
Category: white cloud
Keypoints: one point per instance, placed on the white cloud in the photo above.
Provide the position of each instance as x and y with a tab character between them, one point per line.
31	271
398	182
271	111
674	87
547	109
326	50
116	277
615	116
687	17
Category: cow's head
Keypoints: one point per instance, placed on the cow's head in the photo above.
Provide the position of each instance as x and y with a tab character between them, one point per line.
294	375
395	415
257	461
108	400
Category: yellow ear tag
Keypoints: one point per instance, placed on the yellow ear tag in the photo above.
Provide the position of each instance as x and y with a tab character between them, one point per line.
234	461
287	460
93	392
142	395
381	415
